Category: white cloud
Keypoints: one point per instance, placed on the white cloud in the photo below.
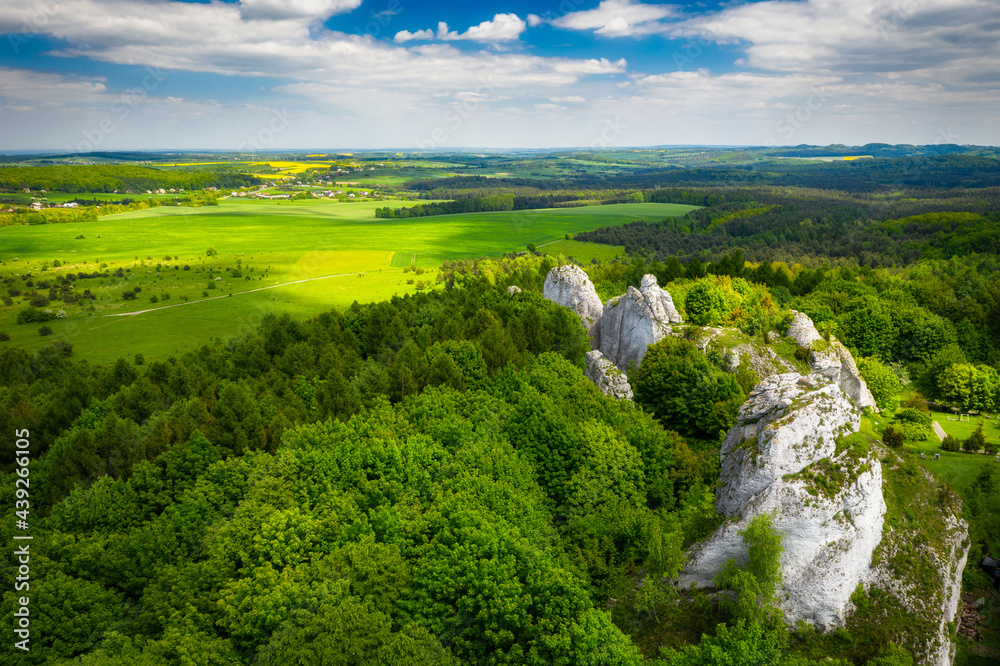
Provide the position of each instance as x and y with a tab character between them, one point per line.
295	9
570	98
406	36
501	28
616	18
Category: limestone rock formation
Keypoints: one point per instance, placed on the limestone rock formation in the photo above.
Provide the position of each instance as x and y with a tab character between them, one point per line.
781	458
937	542
635	320
802	330
569	286
607	377
649	288
831	359
762	360
513	289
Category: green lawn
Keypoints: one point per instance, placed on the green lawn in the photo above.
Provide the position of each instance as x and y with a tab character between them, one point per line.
282	242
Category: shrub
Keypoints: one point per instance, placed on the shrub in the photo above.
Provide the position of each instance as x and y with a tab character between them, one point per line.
38	301
911	415
950	443
44	330
128	295
154	299
892	437
976	441
991	447
30	315
912	432
211	252
881	380
4	337
704	304
680	387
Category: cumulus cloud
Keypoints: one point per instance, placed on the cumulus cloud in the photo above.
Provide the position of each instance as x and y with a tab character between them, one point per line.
295	9
407	36
501	28
931	39
615	18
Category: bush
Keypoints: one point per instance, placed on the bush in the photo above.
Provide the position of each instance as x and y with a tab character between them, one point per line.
38	301
704	304
911	415
30	315
154	299
881	380
991	447
912	432
4	337
892	437
44	330
976	441
950	443
680	387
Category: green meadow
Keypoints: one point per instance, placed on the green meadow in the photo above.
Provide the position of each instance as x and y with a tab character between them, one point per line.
583	252
302	257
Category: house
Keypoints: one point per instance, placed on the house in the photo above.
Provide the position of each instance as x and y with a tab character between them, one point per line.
36	205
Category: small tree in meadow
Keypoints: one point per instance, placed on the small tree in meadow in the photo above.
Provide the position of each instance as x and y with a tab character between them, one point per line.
976	441
892	437
950	443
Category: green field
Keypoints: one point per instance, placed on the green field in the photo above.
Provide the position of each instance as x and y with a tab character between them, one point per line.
583	252
301	257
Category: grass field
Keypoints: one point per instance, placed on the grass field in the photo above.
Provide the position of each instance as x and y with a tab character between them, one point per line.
275	246
957	469
583	252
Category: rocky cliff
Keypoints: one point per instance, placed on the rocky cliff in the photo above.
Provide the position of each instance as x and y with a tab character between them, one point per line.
783	458
831	359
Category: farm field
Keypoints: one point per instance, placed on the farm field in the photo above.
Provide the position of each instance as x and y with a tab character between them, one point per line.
297	257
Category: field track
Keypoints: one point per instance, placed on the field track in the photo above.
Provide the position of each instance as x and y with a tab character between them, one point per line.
212	298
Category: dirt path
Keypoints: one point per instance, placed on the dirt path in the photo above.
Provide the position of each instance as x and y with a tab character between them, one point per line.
212	298
939	431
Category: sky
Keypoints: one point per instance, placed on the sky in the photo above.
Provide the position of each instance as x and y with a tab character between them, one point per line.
269	75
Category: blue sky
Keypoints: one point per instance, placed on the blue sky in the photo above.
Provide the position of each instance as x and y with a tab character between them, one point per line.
80	75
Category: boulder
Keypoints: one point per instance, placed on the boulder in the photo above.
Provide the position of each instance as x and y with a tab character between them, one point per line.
781	459
831	359
513	289
569	286
802	330
607	376
635	320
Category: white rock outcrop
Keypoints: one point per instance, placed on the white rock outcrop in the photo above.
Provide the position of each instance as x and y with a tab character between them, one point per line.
636	319
762	360
802	330
607	376
831	359
513	289
783	443
935	599
569	286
